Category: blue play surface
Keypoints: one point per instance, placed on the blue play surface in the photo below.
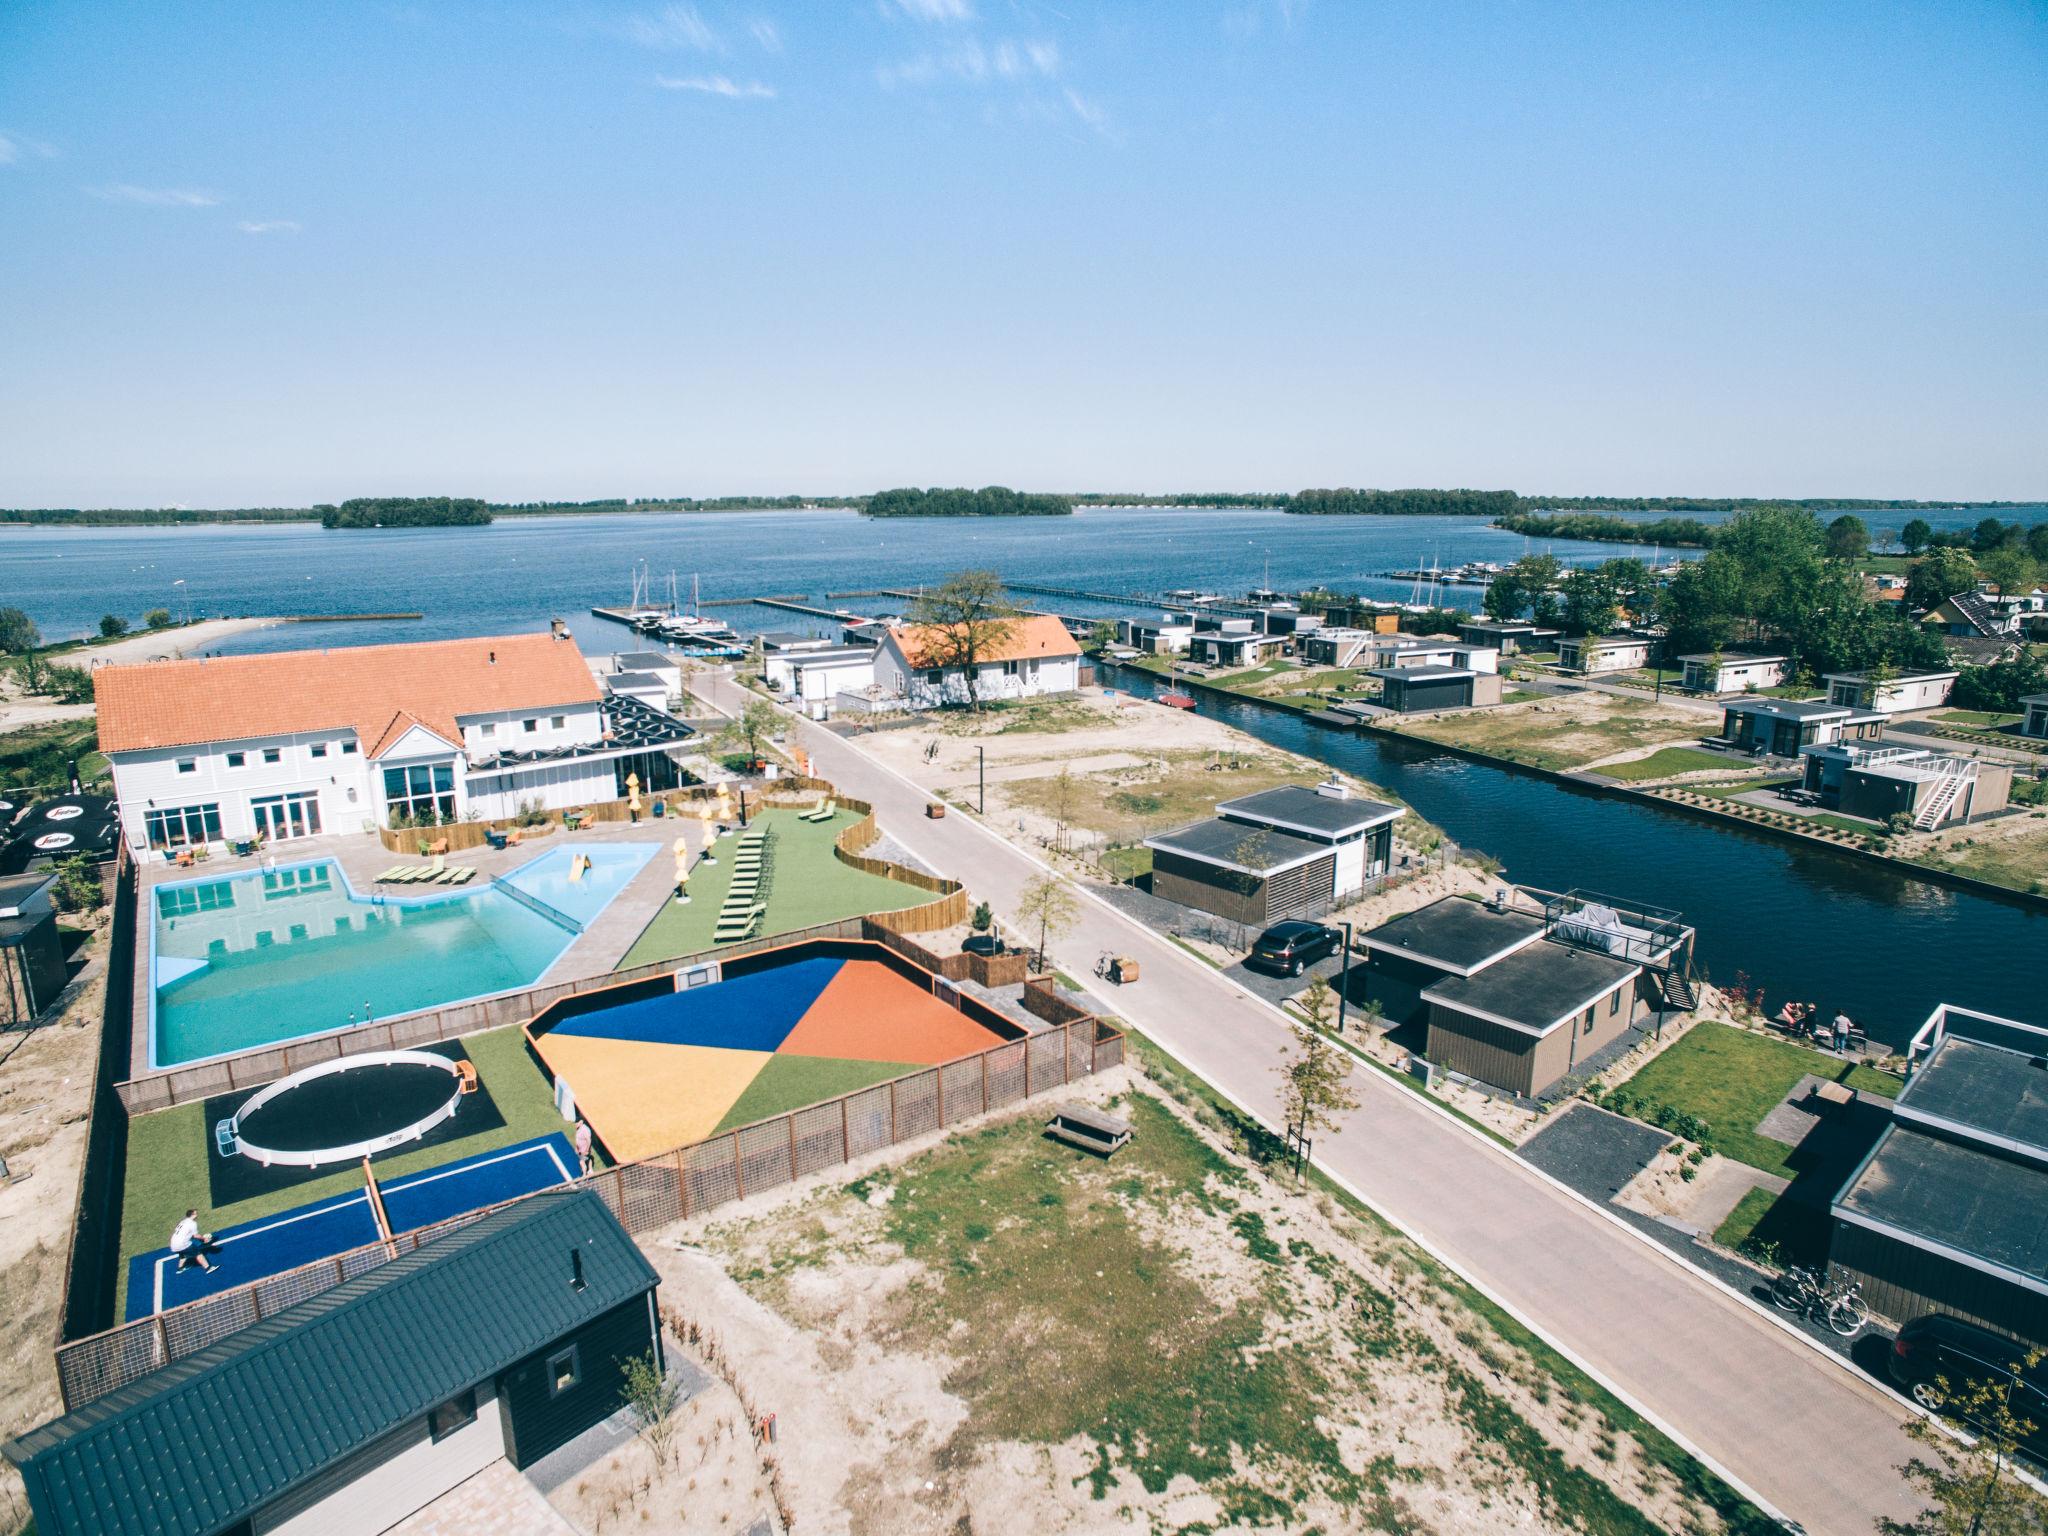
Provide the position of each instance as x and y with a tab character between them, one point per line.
746	1013
272	1244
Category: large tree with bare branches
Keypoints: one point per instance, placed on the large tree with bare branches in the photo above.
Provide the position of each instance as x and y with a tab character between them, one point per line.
963	619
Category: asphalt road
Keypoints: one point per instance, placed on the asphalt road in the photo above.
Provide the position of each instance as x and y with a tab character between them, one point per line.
1791	1426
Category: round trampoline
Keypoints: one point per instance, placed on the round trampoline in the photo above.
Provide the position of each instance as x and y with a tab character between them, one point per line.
343	1110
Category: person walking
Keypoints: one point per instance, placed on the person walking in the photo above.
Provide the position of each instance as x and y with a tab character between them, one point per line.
193	1246
583	1158
1842	1028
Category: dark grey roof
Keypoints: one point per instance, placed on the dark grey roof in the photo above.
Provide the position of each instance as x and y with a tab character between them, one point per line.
1454	934
1985	1209
1979	611
637	680
1787	709
1730	658
1602	640
642	661
2034	698
28	896
1259	850
199	1444
1425	674
1303	810
1536	988
1896	677
2000	1093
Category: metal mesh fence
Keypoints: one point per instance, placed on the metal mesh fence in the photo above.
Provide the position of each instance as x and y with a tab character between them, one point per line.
644	1196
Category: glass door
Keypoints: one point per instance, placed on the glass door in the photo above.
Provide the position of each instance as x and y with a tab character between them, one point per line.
279	817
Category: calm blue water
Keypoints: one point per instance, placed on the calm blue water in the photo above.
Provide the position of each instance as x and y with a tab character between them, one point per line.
252	959
1804	923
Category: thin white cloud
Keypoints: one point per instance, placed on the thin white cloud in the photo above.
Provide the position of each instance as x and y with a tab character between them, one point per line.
1090	113
9	152
156	197
719	85
766	34
673	28
929	10
969	61
270	226
14	149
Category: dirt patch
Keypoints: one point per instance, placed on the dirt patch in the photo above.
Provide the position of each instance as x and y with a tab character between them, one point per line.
1565	730
1004	1335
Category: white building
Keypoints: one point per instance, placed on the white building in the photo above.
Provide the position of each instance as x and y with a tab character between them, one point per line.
1036	657
297	743
1594	654
1900	695
2035	721
812	679
1731	671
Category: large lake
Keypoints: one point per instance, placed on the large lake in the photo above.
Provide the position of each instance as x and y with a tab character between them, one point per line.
1802	922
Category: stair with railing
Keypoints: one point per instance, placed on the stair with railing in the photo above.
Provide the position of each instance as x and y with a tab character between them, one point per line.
1953	779
1679	992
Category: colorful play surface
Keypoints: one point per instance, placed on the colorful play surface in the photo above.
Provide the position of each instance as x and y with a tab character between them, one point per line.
319	1230
668	1070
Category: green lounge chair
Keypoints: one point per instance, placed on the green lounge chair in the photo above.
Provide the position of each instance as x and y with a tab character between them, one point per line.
463	876
390	874
822	813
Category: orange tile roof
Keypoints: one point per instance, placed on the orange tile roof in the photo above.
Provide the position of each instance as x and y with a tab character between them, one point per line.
1040	635
378	691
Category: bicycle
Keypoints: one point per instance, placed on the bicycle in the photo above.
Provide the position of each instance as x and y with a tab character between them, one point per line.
1805	1292
1105	966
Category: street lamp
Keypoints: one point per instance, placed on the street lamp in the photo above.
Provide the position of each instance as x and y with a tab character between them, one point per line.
186	595
1344	978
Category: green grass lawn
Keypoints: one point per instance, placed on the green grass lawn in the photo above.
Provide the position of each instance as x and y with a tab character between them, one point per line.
169	1153
1743	786
1983	719
1250	675
1789	691
1731	1079
41	755
2018	863
809	886
1666	761
1764	1224
1126	864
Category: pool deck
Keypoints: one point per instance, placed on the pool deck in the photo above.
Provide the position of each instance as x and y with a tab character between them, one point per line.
594	952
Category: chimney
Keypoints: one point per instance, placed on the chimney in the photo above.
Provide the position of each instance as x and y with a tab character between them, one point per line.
1334	788
576	1269
494	658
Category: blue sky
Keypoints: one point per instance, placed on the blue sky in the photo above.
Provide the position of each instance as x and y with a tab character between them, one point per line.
271	253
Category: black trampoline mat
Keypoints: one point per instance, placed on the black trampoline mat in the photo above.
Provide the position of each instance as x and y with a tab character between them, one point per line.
336	1110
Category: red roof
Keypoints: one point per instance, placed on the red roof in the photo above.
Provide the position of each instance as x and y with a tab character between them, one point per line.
1040	635
378	691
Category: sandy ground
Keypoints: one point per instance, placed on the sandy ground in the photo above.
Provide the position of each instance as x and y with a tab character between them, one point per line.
18	709
45	1091
875	1440
1583	729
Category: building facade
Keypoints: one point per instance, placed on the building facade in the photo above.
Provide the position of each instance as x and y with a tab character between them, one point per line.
294	744
1407	690
1901	695
1595	654
1731	672
1285	852
1782	727
1035	658
1878	781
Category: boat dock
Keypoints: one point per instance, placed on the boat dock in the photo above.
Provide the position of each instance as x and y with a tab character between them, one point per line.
811	610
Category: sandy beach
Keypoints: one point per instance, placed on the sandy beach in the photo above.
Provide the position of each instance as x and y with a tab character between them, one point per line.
18	709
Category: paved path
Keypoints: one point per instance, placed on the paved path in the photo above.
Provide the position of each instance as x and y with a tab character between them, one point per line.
1720	1376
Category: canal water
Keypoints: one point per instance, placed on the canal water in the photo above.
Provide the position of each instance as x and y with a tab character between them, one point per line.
1802	923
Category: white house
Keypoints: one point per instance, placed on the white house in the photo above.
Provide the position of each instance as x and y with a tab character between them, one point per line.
1896	696
650	688
663	664
813	679
1731	671
1593	654
2035	721
1165	636
1036	657
296	743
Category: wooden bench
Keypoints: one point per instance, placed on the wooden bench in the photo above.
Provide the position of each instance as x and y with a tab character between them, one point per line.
1089	1129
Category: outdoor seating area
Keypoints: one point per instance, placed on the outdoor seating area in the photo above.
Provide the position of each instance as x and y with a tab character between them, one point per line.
746	899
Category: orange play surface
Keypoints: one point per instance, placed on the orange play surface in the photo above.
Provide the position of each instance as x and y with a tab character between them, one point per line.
870	1013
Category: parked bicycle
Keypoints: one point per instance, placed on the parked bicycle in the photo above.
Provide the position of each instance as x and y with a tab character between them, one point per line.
1805	1292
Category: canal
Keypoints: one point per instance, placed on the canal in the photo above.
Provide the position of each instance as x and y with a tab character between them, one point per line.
1801	922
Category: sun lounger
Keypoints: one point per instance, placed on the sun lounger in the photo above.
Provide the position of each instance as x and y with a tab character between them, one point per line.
822	813
462	876
391	874
408	874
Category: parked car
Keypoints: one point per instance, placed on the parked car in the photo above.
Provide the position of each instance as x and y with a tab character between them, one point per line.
1938	1348
1291	947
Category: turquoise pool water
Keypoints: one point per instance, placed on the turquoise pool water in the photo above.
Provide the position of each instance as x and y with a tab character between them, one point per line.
277	954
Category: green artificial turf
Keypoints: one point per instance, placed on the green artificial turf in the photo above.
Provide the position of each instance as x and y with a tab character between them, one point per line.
168	1153
1731	1079
808	885
791	1082
1978	717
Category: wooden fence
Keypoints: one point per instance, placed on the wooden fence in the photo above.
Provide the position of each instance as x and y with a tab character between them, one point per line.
645	1195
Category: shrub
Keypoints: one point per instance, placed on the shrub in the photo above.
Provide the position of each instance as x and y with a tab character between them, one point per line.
158	618
78	887
112	625
73	685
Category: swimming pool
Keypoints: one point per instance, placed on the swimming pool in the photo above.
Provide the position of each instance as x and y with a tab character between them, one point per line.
251	959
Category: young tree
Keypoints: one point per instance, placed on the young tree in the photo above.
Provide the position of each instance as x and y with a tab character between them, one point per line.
18	633
158	618
112	624
1047	905
653	1394
1062	807
753	725
1848	538
1916	535
1317	1002
1315	1088
965	618
1970	1486
1101	635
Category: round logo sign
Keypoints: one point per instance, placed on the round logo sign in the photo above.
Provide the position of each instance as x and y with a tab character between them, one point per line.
54	840
63	812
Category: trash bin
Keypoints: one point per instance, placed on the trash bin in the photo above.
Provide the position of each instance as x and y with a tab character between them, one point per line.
1126	970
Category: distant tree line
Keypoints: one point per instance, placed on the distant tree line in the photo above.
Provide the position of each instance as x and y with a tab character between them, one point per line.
132	517
989	501
1345	502
406	512
1220	499
1679	532
670	504
1739	503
